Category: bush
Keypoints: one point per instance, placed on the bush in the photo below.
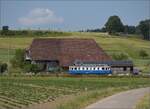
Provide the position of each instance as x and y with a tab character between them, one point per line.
143	53
34	68
27	68
120	56
3	67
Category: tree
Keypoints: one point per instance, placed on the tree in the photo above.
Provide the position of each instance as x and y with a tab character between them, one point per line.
103	29
5	28
143	53
114	25
144	27
18	60
129	29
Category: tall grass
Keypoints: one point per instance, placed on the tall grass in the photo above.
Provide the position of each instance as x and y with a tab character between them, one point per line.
144	103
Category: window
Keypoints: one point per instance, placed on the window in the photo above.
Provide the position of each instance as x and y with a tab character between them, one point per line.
72	68
94	68
102	68
90	68
75	68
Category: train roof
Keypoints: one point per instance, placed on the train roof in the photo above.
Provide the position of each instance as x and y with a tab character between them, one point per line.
91	65
109	63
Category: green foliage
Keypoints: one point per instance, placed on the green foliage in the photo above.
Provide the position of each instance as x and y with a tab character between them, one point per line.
144	102
120	56
3	67
129	29
18	60
114	25
143	53
31	33
27	68
144	27
34	68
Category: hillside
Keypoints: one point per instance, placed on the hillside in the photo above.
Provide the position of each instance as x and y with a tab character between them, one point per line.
111	44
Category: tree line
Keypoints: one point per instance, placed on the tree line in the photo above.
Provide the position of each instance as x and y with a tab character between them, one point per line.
115	26
5	32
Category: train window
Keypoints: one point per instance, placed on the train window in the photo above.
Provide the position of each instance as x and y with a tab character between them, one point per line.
94	68
90	68
106	68
72	68
75	68
102	68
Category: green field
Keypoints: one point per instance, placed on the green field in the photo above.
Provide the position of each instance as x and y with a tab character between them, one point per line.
17	92
111	44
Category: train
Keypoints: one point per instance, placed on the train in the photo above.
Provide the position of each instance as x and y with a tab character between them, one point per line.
99	69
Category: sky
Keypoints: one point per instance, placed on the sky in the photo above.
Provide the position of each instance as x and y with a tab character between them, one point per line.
70	15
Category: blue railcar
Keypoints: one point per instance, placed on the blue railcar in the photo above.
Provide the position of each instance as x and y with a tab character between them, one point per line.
90	69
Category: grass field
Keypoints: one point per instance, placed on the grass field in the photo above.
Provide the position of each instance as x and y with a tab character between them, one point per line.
144	103
111	44
17	92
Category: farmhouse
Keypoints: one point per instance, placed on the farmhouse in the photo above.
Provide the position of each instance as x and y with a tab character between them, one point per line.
53	53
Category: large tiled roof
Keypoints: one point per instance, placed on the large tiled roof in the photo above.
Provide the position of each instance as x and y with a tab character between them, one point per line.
66	51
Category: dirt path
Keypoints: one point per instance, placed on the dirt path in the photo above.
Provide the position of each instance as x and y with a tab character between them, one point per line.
122	100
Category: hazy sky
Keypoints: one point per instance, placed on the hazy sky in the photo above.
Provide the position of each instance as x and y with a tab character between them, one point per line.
70	15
